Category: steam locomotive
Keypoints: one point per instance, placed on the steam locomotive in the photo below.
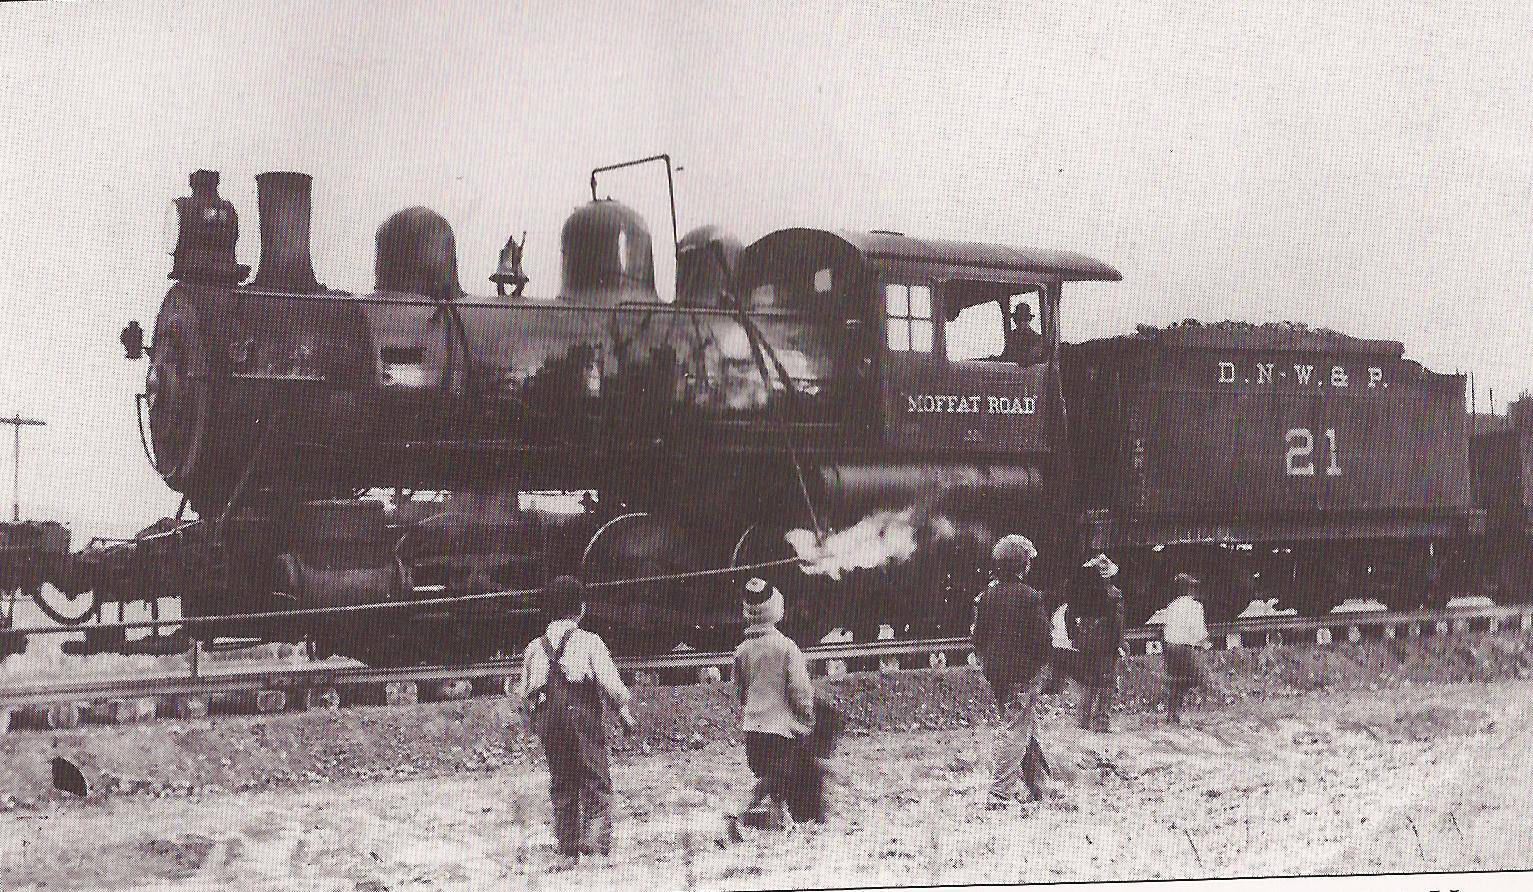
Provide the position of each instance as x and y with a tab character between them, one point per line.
856	415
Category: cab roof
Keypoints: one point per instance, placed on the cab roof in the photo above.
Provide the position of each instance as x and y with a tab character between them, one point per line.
1065	266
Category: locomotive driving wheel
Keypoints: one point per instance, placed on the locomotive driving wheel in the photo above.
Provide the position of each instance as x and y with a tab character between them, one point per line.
66	609
806	607
646	617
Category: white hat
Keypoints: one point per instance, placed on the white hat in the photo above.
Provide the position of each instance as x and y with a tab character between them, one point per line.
1103	565
1013	548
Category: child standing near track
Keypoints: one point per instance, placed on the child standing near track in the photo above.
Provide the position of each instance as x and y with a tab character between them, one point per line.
567	679
772	680
1186	636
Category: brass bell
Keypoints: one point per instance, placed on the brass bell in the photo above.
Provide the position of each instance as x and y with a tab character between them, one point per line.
509	270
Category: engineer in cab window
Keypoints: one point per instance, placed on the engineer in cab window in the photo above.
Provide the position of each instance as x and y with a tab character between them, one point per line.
1024	344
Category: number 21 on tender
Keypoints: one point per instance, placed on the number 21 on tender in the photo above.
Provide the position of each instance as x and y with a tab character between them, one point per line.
1300	461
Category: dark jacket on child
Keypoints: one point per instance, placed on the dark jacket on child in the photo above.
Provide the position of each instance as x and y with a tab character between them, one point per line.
1010	634
1095	618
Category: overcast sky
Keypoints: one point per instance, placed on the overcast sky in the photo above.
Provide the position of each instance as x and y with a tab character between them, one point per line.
1360	166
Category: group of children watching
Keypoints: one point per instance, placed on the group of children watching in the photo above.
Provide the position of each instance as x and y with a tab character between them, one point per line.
569	678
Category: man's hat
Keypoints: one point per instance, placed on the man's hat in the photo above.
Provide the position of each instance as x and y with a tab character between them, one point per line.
1103	565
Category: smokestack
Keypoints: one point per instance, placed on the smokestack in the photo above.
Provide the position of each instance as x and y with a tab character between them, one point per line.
283	200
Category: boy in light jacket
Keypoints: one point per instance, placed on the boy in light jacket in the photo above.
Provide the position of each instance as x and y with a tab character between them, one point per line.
1185	635
772	681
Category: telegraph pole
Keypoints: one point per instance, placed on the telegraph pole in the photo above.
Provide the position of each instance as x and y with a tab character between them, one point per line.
16	423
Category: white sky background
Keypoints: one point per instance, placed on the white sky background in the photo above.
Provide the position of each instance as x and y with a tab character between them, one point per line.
1357	166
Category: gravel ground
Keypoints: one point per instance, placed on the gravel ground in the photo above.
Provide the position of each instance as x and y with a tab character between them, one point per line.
1405	779
1380	756
236	753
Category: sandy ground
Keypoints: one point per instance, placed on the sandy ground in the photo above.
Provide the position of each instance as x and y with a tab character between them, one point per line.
1407	779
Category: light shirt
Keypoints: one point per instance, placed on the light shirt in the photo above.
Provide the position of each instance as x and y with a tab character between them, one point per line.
1184	621
1058	634
585	656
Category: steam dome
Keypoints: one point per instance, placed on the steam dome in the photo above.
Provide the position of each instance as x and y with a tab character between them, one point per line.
417	253
699	276
607	254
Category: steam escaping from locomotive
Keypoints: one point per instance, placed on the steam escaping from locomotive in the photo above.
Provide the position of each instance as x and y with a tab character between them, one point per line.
877	540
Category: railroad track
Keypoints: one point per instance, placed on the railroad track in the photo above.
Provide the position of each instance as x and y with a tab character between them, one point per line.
271	688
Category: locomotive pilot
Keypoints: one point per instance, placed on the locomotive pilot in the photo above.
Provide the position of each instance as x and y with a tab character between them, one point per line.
1012	643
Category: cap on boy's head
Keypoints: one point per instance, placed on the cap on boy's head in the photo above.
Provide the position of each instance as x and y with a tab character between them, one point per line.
1185	581
757	590
564	596
762	603
1013	551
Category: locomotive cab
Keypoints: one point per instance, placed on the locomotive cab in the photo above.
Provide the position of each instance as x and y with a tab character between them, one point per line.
959	337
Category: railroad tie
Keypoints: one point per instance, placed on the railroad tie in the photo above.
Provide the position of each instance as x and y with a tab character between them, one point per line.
47	716
449	689
321	698
264	701
122	711
186	707
391	693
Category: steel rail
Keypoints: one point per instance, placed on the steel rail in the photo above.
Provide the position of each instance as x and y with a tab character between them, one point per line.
326	676
385	606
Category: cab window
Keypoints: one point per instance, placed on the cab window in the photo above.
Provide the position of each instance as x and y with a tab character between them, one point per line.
997	324
909	310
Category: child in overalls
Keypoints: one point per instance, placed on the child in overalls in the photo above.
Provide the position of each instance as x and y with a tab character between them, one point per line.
772	680
567	678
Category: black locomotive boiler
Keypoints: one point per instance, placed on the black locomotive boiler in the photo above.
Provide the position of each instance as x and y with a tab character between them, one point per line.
860	412
799	384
